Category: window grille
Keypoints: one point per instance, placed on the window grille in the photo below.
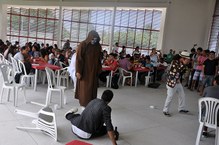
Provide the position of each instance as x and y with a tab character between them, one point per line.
133	27
32	25
214	34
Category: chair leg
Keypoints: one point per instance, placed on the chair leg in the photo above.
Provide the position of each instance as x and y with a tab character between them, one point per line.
2	91
15	96
8	94
107	81
200	129
25	98
64	96
32	81
131	81
123	81
67	82
217	136
61	98
48	97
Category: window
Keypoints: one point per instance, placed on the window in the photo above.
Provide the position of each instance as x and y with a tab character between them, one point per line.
78	22
214	35
32	25
135	27
132	27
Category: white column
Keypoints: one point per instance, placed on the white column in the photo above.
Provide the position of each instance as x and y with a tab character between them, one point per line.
112	29
3	20
60	27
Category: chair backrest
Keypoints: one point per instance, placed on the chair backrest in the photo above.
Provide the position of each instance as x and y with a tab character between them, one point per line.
15	66
47	122
22	67
50	77
208	111
2	58
121	71
64	72
7	73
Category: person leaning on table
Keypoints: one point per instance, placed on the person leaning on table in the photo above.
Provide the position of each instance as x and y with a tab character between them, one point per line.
173	82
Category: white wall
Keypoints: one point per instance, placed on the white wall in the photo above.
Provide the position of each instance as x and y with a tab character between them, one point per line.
187	21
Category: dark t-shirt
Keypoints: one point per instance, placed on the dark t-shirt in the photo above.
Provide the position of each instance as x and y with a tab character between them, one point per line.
210	67
96	113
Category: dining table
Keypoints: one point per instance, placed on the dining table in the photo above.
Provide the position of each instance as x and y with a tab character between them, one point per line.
139	69
41	65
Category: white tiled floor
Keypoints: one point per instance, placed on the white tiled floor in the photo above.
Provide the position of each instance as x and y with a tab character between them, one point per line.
137	123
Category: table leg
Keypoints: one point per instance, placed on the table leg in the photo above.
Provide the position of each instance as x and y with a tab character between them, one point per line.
136	79
35	82
111	75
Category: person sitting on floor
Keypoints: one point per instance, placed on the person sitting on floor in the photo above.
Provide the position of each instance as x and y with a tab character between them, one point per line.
95	120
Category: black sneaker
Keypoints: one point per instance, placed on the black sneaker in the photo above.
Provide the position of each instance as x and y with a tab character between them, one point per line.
183	111
167	114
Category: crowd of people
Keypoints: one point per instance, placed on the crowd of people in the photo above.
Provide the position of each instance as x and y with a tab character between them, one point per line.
198	69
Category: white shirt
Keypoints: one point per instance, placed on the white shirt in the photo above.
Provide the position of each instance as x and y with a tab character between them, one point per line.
80	132
154	60
19	56
71	68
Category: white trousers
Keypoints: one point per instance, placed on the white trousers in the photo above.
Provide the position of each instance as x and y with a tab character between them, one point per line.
170	93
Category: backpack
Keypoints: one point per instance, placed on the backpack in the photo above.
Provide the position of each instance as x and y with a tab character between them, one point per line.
17	77
153	85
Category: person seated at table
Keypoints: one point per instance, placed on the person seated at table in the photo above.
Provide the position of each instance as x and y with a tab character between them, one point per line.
125	64
148	64
123	52
104	56
162	65
35	53
211	91
23	56
44	55
136	52
51	59
112	63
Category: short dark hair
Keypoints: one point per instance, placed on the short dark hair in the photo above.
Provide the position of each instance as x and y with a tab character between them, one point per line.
113	54
23	48
193	50
216	78
212	52
200	49
107	96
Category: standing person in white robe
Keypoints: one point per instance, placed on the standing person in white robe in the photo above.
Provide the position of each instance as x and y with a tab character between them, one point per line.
71	69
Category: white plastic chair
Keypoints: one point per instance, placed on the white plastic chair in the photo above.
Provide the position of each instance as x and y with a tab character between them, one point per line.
109	78
26	77
9	83
63	76
208	116
148	78
45	121
124	77
2	58
15	66
52	86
